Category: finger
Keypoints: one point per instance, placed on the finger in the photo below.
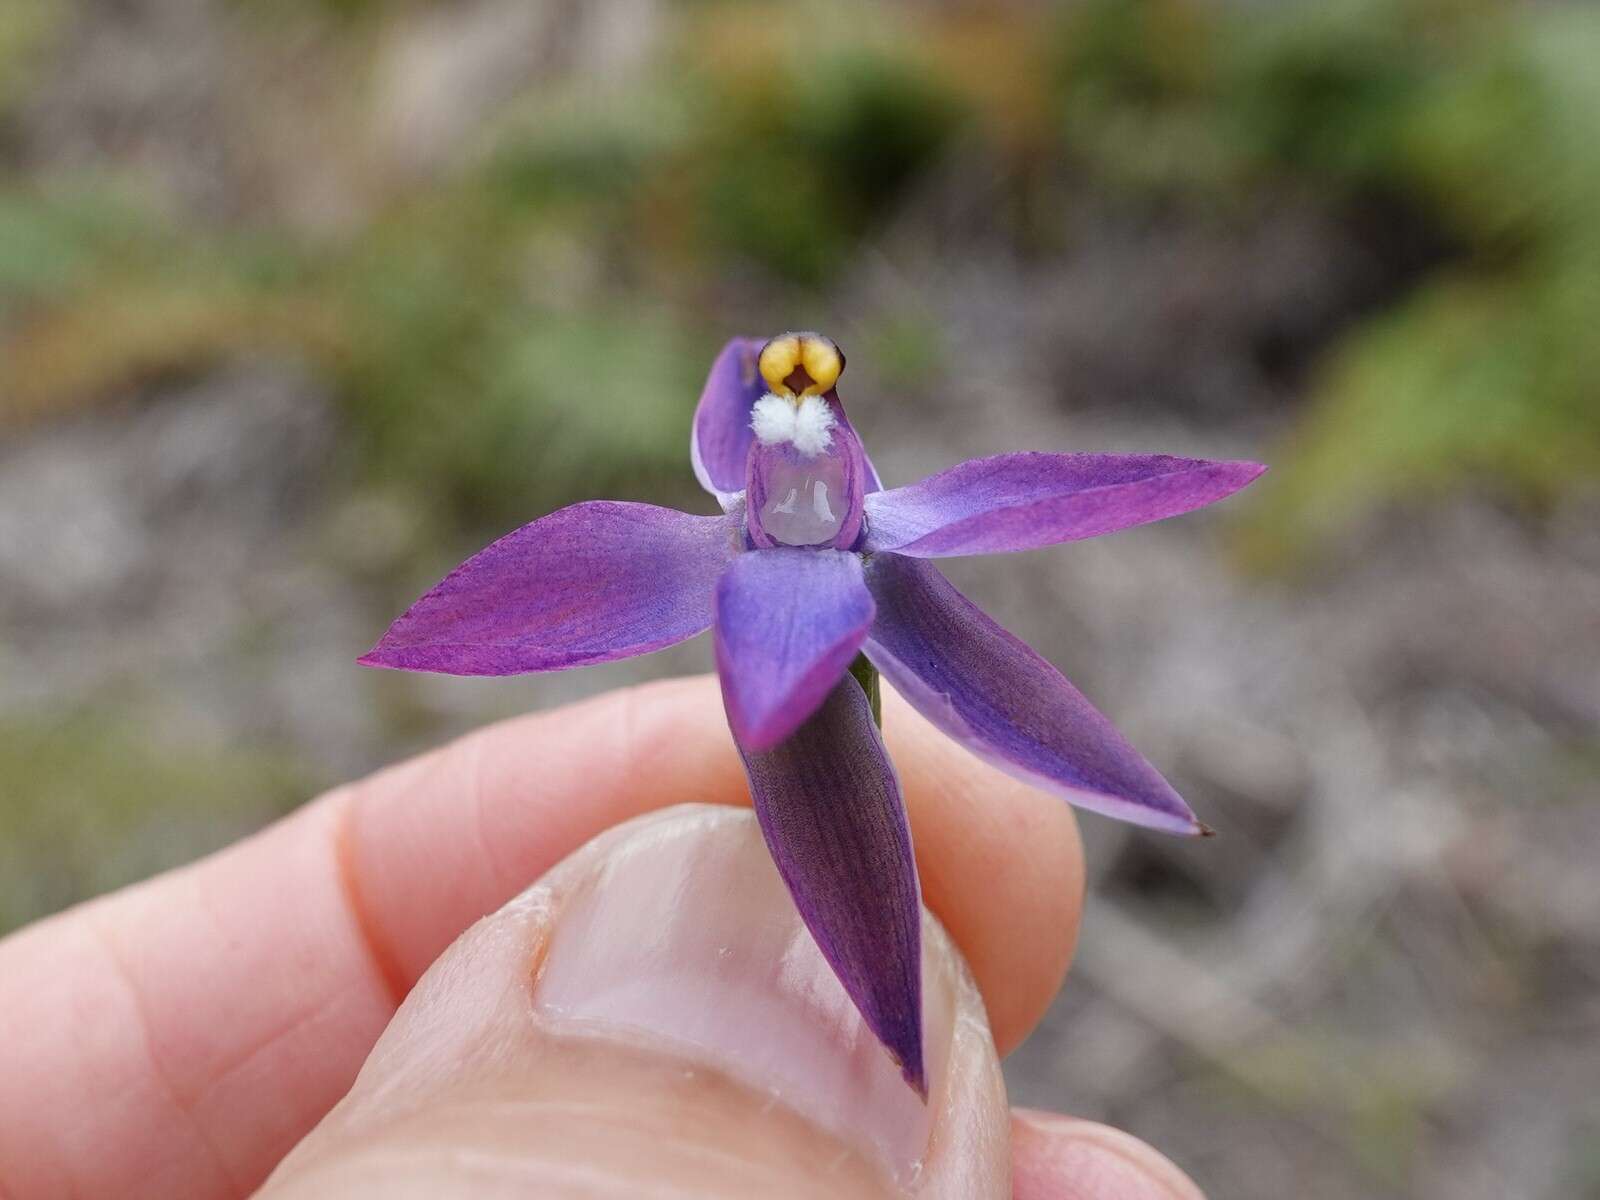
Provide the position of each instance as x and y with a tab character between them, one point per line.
216	1013
652	1019
436	843
1063	1158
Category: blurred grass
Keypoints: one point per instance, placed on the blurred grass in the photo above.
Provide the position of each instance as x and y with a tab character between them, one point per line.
26	31
104	804
1482	115
478	365
489	358
794	169
1486	373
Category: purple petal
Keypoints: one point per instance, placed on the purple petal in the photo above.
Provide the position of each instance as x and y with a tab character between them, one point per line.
830	808
999	699
1023	501
720	440
587	584
788	622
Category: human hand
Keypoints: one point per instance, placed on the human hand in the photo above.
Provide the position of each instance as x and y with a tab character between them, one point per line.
649	1019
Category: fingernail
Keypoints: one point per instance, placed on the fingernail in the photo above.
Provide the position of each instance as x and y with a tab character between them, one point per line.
684	941
1053	1155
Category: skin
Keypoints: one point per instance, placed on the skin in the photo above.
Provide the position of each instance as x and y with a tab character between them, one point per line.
181	1037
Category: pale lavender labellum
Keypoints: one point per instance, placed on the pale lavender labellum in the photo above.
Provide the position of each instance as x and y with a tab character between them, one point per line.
811	563
796	499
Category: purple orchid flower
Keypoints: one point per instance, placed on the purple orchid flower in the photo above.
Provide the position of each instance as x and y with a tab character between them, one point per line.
814	579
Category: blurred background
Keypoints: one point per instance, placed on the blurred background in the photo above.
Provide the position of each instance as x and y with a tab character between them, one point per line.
303	300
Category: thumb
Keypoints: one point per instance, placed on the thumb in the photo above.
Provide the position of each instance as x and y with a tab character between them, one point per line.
652	1019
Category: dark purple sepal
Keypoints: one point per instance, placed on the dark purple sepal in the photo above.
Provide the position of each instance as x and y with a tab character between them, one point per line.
993	694
788	623
590	583
830	809
1023	501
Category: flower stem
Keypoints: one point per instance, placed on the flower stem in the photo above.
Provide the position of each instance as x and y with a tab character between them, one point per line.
867	676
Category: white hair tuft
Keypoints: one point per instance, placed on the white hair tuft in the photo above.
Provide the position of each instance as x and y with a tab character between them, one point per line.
773	420
809	427
813	426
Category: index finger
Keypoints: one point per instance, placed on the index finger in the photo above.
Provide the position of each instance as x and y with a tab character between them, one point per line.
183	1034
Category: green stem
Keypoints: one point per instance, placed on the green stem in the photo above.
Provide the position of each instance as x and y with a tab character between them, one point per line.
867	676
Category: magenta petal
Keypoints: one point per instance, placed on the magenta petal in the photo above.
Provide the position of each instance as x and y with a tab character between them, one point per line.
994	695
788	622
719	441
830	808
1023	501
588	584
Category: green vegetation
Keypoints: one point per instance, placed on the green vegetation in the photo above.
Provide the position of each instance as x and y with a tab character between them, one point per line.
493	362
104	804
792	172
483	362
1487	371
1483	116
26	30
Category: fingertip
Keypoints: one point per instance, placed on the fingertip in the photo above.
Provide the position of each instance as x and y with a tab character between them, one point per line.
1053	1156
440	840
589	1032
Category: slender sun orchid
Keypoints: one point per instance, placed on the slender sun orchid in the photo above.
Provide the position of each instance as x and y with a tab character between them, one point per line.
814	579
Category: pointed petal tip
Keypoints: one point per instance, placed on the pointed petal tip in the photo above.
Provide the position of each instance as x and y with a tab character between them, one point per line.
906	1054
916	1076
757	726
1231	474
387	657
759	735
918	1083
1172	817
1130	809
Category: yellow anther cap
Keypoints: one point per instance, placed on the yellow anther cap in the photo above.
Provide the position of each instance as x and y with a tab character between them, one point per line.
800	364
